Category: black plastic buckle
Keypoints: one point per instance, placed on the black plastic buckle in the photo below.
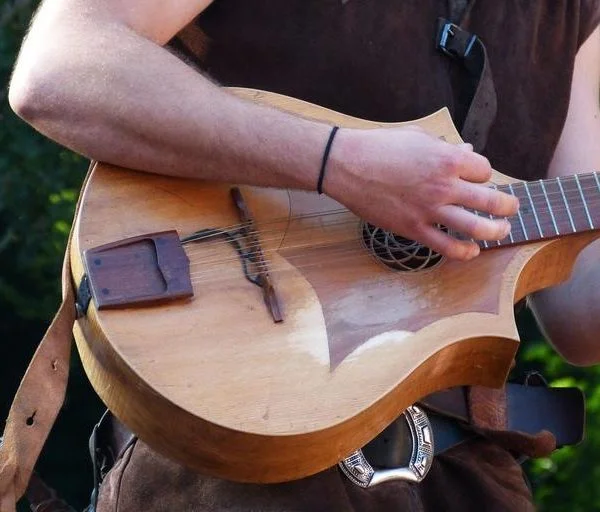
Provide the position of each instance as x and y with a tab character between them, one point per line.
454	41
84	297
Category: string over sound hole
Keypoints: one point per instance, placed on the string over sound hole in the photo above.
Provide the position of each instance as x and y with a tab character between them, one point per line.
398	252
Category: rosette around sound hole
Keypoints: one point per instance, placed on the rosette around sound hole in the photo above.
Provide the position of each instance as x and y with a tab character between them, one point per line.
398	252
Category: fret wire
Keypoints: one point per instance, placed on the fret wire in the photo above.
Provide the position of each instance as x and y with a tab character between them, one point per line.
565	179
535	216
549	207
492	218
564	194
595	196
587	212
510	187
484	242
510	233
591	189
566	204
498	242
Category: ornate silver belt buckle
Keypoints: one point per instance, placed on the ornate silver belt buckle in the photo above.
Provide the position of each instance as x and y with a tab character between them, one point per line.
359	471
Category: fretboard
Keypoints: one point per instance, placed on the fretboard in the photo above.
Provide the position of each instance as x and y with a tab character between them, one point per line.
551	208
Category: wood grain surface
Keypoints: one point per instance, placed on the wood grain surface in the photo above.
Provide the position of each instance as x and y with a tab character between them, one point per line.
215	384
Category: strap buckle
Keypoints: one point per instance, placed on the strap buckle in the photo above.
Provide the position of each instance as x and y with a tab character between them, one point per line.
454	41
357	468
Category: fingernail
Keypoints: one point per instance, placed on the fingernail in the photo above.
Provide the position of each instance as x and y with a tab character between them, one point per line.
474	251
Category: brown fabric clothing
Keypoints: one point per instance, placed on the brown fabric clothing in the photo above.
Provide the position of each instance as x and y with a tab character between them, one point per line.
377	61
475	476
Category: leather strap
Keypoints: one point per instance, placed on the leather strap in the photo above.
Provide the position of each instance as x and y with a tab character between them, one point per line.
484	105
37	402
529	421
39	397
477	108
108	442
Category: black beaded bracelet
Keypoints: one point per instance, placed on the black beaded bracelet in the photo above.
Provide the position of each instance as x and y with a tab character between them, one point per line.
325	158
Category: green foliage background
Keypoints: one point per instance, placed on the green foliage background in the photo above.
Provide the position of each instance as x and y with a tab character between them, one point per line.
39	184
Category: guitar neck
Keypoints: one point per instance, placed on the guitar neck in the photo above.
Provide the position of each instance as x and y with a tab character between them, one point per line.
552	208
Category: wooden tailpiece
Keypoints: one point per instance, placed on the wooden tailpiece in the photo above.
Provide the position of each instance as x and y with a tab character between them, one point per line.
143	270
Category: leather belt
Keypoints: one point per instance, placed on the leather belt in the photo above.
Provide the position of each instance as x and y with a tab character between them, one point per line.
393	447
525	411
529	410
529	420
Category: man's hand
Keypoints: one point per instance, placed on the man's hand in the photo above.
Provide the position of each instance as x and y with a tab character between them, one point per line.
406	181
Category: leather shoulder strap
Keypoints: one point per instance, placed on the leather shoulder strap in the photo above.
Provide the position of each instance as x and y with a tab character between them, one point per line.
39	397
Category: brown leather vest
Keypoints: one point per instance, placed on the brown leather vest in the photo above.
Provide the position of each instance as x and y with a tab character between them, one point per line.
377	60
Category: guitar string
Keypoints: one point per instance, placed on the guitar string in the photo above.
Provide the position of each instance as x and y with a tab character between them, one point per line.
538	209
346	247
275	269
280	234
233	273
344	255
276	220
545	223
236	274
334	245
207	263
250	247
501	187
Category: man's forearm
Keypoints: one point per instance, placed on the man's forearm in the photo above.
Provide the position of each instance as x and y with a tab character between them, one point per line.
158	114
569	314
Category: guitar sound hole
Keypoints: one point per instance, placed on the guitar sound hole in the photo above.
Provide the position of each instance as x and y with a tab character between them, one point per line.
398	252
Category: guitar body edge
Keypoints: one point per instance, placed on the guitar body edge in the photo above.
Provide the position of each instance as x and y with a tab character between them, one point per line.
213	383
211	449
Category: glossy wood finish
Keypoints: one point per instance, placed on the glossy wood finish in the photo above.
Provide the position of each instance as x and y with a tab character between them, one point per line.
215	384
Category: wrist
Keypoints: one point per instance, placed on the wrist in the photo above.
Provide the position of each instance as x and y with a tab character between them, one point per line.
343	157
325	159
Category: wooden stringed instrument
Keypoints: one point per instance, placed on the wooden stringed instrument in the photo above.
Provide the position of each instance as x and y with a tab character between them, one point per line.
275	332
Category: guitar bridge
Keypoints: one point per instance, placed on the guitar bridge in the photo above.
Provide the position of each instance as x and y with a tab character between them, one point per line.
247	245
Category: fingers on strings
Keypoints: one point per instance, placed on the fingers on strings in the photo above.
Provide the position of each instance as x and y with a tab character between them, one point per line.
447	245
471	225
486	199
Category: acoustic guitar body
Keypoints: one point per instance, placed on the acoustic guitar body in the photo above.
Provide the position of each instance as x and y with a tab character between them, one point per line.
214	382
